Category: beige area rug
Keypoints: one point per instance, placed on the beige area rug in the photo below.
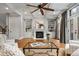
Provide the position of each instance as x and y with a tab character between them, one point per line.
44	52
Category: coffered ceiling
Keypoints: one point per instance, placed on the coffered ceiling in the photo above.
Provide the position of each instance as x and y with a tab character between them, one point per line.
21	8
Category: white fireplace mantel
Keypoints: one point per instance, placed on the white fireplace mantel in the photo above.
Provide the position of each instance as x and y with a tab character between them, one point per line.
44	30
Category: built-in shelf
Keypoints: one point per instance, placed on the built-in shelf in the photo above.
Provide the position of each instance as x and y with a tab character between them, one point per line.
51	25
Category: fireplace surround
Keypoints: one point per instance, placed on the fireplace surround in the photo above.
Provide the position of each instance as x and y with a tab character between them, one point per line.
39	34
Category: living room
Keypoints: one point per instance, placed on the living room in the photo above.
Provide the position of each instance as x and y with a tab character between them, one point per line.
39	29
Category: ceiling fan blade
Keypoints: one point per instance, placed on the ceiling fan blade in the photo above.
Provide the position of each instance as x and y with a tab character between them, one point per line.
48	9
31	5
34	10
43	4
41	11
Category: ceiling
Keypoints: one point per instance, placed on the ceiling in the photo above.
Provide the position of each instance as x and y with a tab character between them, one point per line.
5	9
21	8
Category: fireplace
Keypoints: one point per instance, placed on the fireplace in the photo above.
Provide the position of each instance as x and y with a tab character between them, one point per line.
39	34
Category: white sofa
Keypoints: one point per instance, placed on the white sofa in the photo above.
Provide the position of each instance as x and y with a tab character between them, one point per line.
9	48
75	53
74	47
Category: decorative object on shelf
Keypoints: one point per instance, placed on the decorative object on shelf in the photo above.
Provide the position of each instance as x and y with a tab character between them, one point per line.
3	29
16	40
48	36
39	25
51	29
28	28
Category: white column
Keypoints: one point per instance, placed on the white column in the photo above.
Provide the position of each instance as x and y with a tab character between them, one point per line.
22	27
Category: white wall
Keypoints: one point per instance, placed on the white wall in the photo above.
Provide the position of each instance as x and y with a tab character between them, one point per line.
32	34
17	28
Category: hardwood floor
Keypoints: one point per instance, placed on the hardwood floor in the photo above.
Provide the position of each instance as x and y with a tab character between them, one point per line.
62	45
25	41
57	43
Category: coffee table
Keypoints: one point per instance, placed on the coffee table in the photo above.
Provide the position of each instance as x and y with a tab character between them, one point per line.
49	45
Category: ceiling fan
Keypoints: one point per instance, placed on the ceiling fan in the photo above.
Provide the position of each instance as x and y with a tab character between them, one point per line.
40	7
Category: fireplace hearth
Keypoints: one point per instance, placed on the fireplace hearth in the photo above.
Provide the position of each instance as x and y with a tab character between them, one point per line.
39	34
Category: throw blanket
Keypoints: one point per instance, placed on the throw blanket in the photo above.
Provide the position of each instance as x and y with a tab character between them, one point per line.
9	50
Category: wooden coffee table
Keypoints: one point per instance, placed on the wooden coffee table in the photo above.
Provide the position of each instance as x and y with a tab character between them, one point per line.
50	45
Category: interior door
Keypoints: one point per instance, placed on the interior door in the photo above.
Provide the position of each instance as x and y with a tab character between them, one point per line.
14	28
11	28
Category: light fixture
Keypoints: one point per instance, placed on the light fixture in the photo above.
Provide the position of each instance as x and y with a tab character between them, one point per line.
6	8
54	12
25	12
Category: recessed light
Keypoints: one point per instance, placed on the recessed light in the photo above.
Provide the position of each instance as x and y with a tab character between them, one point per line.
6	8
25	12
54	12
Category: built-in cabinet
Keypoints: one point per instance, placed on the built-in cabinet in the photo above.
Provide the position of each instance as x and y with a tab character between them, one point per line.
51	25
27	25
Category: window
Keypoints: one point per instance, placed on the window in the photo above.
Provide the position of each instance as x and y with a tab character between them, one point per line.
71	29
74	10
